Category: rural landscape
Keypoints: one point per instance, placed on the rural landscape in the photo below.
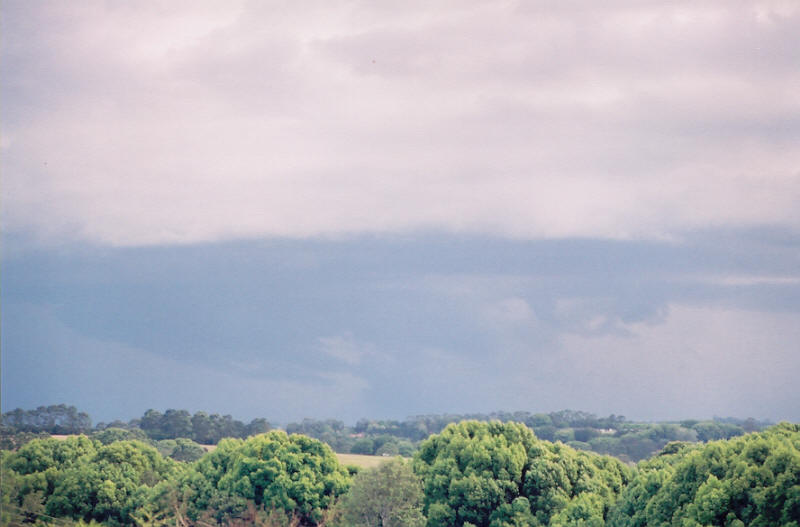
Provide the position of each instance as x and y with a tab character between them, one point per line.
364	263
432	470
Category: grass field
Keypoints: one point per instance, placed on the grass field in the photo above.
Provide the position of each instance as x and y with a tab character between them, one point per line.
360	460
345	459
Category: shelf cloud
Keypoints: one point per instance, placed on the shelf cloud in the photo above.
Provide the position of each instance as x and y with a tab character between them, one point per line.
349	209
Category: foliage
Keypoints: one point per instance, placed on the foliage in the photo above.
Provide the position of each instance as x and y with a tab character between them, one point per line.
752	480
330	431
111	434
295	474
82	479
11	439
180	449
613	435
498	474
389	495
637	441
201	427
55	419
713	430
473	474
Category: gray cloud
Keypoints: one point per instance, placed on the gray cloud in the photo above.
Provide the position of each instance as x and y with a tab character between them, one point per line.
209	121
391	326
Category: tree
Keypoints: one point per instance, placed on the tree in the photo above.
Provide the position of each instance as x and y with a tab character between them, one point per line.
112	434
365	446
203	428
749	480
151	423
294	474
187	450
258	426
177	423
55	419
474	474
389	495
82	479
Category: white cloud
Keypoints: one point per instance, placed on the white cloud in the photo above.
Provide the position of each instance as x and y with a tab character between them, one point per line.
203	121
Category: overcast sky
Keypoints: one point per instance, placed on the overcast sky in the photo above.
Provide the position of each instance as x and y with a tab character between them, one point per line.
375	209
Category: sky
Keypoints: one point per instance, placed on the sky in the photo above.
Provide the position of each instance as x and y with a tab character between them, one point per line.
379	209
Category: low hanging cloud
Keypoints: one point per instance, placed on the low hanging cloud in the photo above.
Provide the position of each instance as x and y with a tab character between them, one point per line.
199	121
396	326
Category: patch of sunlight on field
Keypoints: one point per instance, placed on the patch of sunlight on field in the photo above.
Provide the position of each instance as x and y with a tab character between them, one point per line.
361	461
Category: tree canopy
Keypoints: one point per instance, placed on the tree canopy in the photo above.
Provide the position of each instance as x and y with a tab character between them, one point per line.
498	474
472	474
291	473
389	495
752	480
82	479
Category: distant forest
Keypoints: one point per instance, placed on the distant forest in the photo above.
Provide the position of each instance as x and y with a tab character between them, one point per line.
630	441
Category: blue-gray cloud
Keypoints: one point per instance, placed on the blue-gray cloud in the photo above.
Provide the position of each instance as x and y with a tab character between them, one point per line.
404	325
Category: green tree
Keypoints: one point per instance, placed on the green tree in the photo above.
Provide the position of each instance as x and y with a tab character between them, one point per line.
389	495
750	480
111	434
365	446
82	479
187	450
111	485
474	474
295	474
203	429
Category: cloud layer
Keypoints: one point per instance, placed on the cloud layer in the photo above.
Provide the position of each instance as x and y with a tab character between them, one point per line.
394	327
199	121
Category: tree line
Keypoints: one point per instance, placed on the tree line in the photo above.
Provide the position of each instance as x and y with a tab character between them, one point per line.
471	474
614	435
54	419
21	425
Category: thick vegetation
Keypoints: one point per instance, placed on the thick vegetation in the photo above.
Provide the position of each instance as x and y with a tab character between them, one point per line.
389	495
752	480
275	471
200	427
496	474
129	482
55	419
81	479
613	435
473	474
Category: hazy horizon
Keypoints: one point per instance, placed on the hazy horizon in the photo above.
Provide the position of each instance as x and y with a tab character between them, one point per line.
364	210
